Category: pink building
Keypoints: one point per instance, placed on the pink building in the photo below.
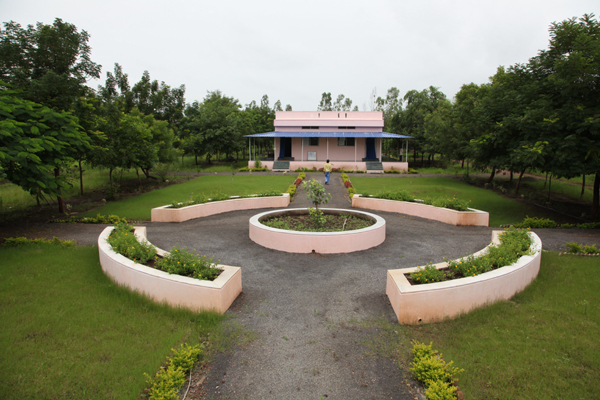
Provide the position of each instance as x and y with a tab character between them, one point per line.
351	140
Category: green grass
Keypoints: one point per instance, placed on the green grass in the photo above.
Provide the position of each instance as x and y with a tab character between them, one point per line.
502	210
542	344
558	186
138	207
68	332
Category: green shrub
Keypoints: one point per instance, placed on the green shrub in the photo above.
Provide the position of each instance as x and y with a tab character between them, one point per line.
573	247
430	369
412	171
591	249
257	164
185	263
351	192
421	350
344	177
440	391
166	383
397	195
244	169
589	225
452	203
301	176
514	243
20	241
534	222
268	193
427	274
291	190
123	241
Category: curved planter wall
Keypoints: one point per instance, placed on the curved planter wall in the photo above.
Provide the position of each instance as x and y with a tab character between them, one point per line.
453	217
437	301
318	242
167	214
175	290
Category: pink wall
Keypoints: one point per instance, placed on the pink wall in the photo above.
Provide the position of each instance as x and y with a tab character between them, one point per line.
293	120
336	153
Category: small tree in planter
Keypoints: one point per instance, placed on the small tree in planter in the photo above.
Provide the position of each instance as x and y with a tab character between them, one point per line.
315	192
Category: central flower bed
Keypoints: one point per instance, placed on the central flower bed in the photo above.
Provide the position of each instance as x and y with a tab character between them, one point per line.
306	223
318	242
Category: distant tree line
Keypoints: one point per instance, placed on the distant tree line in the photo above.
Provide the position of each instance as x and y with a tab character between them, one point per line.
543	115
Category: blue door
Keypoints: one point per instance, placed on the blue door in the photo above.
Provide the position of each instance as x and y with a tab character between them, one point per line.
371	149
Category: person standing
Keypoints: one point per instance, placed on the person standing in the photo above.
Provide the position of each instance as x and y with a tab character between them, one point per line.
327	169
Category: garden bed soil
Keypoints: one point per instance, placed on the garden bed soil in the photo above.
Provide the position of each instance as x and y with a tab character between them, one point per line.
305	223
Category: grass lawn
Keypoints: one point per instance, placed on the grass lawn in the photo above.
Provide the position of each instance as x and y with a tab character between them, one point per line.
502	210
138	207
542	344
68	332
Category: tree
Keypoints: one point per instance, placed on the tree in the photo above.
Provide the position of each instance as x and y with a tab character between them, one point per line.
288	107
325	104
571	65
49	63
36	142
277	106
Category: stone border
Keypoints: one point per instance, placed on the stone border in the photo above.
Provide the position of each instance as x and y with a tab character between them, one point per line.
175	290
317	242
437	301
236	203
466	218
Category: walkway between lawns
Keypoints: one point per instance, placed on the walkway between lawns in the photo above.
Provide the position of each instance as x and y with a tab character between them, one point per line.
305	307
339	195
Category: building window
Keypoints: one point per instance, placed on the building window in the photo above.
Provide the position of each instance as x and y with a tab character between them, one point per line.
310	141
310	127
345	141
346	127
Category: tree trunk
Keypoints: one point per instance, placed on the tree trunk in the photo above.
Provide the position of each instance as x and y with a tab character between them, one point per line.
549	187
183	155
546	181
463	163
110	176
146	172
491	175
59	199
139	180
595	195
511	177
582	187
519	181
80	178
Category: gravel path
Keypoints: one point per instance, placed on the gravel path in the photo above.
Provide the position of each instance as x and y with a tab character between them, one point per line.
304	307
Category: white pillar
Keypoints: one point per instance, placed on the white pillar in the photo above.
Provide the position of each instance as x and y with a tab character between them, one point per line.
355	140
302	142
380	149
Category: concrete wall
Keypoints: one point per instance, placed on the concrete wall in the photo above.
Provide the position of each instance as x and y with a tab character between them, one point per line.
318	242
469	218
175	290
167	214
436	301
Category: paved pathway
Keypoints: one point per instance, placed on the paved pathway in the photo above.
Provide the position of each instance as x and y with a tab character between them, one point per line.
302	306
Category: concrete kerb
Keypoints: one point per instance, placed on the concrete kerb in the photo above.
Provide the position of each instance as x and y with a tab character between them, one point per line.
472	217
437	301
175	290
317	242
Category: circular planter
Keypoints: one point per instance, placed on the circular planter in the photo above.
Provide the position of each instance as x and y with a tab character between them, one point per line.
317	242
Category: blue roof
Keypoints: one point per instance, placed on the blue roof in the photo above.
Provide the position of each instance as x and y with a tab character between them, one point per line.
385	135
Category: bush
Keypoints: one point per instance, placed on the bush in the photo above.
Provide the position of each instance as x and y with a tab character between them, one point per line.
452	204
534	222
123	241
514	243
166	383
431	369
412	171
351	192
440	391
427	274
591	249
398	195
291	189
589	225
185	263
574	247
21	241
257	164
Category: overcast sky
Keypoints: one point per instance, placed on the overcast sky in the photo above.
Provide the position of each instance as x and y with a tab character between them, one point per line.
296	50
